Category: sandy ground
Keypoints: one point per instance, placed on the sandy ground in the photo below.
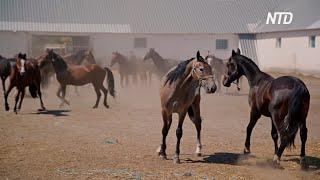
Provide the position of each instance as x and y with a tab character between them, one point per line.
78	142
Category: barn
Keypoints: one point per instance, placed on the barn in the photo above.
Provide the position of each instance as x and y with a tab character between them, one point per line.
175	28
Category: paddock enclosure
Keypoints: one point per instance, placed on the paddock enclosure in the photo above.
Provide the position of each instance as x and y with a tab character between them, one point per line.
120	142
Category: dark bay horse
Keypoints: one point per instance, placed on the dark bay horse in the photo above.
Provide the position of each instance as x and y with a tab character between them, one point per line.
24	73
78	58
5	70
180	93
78	76
162	65
126	68
285	99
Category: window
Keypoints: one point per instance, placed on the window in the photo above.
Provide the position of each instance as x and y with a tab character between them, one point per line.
221	44
312	41
278	43
140	43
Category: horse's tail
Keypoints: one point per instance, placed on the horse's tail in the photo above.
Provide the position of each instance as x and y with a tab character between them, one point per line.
295	113
45	80
33	90
110	82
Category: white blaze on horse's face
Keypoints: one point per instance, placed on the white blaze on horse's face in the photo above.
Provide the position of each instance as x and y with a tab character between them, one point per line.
205	76
22	69
209	60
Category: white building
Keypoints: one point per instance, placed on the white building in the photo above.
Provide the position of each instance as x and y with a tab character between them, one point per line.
175	28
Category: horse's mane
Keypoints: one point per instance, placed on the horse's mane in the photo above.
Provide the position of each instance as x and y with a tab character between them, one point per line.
157	54
248	60
62	64
122	57
177	72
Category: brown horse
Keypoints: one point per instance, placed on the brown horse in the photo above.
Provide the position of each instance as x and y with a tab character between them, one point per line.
126	68
285	99
79	75
162	65
24	73
180	93
81	57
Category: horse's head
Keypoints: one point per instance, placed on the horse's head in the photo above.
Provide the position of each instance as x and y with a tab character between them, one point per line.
21	60
233	70
150	54
115	58
89	57
209	58
202	70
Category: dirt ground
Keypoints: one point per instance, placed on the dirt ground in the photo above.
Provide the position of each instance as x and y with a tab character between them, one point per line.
79	142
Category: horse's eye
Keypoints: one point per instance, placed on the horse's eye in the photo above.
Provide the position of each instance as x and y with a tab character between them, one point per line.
201	69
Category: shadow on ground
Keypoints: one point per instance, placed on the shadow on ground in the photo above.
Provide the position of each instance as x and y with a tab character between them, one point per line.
224	158
56	113
313	162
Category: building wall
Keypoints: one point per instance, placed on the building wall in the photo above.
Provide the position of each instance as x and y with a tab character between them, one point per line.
295	55
174	46
12	43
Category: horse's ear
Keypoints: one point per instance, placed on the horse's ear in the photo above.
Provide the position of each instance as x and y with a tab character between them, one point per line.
238	51
198	55
233	53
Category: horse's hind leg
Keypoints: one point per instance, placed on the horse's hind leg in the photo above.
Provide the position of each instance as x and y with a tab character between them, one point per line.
179	133
303	137
6	96
194	115
274	135
167	120
105	92
254	116
40	97
97	90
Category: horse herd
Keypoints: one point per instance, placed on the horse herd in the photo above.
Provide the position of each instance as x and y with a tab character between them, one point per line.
285	99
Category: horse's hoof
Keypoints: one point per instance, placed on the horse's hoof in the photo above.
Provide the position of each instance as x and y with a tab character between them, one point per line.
42	109
7	108
198	154
246	151
94	107
176	161
163	157
303	163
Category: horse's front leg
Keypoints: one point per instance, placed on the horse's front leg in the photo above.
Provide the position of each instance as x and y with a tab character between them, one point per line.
16	100
3	85
21	98
179	133
254	116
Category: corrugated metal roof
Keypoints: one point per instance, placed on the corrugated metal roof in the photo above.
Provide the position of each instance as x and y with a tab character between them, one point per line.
138	16
248	46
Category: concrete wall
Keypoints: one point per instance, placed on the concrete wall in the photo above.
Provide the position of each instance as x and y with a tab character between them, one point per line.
12	43
295	55
174	46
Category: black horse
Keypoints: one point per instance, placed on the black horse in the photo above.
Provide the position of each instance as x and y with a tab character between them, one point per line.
5	70
285	99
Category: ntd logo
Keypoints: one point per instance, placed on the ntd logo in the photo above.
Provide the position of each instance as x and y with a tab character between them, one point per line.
279	18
